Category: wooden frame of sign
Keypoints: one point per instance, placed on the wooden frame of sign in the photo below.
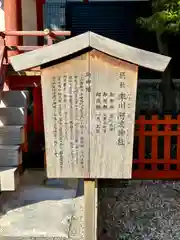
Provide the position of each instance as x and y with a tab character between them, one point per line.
89	93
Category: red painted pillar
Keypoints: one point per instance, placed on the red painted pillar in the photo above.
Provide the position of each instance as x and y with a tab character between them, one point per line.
38	110
40	19
13	21
37	95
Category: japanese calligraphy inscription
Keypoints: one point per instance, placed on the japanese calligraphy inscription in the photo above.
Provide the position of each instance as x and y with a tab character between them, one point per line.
89	109
66	118
113	99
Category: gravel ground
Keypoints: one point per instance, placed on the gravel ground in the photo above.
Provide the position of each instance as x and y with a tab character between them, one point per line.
140	210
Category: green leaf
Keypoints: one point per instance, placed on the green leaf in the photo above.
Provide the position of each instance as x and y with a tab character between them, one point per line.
165	17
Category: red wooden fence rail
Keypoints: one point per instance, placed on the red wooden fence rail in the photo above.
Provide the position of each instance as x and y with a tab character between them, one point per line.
157	148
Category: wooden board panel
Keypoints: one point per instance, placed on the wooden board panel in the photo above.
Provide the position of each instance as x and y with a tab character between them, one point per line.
14	99
66	118
12	135
9	178
10	156
112	103
11	116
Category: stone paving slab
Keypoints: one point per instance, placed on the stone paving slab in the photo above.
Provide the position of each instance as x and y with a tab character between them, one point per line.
37	211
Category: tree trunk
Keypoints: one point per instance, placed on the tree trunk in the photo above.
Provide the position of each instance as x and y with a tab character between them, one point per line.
167	86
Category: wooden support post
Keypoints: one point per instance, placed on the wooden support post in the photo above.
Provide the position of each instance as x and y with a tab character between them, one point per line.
90	209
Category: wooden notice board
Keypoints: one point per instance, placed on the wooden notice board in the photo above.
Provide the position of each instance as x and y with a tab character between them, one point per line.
89	108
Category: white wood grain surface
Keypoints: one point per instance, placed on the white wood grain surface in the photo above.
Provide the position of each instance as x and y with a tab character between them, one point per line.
108	104
75	153
107	158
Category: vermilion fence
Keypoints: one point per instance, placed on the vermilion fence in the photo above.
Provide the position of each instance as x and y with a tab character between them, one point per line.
157	148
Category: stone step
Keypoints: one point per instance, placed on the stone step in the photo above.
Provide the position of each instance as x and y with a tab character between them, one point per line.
10	156
12	116
12	135
9	178
14	99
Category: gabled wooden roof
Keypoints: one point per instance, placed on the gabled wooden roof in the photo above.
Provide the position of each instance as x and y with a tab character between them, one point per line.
113	48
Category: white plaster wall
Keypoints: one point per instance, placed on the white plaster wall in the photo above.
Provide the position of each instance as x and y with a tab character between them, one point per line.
2	24
29	22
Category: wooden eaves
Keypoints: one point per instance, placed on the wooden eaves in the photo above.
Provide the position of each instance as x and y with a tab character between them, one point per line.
87	40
